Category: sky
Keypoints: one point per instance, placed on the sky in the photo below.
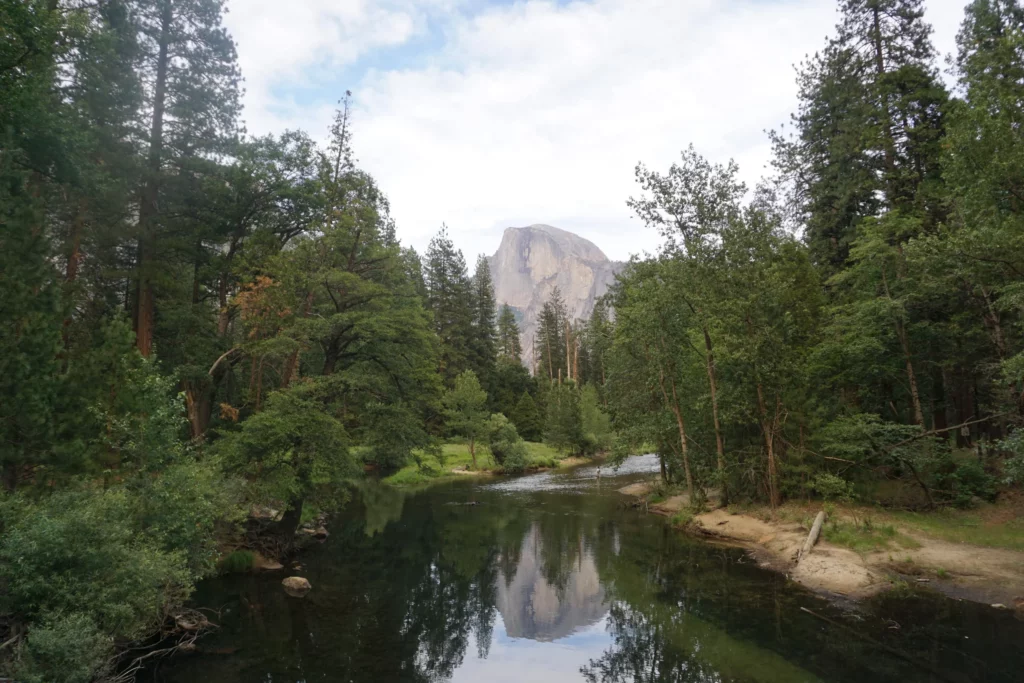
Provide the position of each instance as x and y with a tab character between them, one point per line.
485	114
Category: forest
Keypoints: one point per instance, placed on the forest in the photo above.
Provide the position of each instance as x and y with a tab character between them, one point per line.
195	322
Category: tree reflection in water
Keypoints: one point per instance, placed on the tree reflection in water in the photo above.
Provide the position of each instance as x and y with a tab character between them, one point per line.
539	584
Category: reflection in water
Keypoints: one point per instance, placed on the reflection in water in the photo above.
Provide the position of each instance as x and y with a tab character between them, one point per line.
562	582
533	607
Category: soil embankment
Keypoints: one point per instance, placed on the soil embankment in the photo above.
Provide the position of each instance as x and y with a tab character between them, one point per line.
990	575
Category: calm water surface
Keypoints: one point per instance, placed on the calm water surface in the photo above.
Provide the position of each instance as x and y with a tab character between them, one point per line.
550	577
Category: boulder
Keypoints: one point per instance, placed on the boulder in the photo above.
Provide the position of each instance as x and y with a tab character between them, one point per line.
296	586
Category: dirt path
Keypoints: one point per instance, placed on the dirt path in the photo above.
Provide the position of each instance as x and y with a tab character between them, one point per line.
981	574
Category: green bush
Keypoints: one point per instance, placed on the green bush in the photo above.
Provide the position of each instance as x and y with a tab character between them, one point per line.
182	507
831	487
967	482
67	649
508	449
84	551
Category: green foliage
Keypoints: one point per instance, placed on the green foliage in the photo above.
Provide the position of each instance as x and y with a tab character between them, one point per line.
510	381
450	298
506	445
833	488
290	448
1014	467
595	423
65	649
465	407
526	418
238	562
965	482
563	428
90	552
509	346
682	518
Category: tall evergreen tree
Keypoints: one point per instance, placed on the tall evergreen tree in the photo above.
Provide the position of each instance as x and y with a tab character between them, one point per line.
191	109
869	127
450	298
484	333
509	345
553	336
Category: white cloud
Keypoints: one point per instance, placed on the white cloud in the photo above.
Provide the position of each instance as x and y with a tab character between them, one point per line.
538	112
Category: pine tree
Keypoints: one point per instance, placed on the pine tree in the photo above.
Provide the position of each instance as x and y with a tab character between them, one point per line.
450	298
526	418
509	345
484	333
563	425
466	409
598	342
869	127
552	335
191	110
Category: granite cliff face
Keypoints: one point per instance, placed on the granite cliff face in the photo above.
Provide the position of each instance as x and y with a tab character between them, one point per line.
532	261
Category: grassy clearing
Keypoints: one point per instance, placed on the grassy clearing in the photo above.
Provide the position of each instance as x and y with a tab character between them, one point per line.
456	456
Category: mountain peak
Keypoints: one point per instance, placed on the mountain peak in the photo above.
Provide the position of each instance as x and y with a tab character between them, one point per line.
531	261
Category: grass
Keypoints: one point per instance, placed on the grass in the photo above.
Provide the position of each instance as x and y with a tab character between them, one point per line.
681	518
237	562
985	526
456	457
864	535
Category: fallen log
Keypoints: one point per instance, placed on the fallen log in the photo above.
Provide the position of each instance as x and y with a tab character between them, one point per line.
812	537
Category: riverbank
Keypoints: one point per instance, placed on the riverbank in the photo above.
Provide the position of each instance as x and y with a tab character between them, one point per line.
864	551
456	462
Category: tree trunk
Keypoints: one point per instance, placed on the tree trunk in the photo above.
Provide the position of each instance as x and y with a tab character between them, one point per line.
901	333
144	307
888	142
769	442
915	396
568	352
681	426
290	521
472	451
551	369
199	406
812	537
719	441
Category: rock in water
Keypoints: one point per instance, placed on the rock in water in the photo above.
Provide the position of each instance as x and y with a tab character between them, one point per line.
296	586
532	261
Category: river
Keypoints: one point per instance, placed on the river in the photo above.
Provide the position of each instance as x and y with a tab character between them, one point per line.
551	577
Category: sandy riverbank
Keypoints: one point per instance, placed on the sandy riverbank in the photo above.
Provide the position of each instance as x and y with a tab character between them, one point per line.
961	570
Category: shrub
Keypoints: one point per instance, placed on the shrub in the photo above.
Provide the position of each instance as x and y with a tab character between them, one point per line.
83	552
508	449
238	562
831	487
182	507
967	481
67	649
682	518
